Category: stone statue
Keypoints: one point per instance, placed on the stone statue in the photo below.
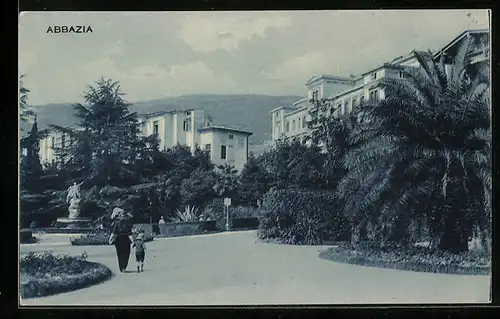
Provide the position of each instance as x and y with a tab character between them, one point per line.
73	199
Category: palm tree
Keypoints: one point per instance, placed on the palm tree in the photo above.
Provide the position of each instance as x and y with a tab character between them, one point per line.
423	154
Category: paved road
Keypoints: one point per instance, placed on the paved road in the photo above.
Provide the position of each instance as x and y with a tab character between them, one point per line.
234	269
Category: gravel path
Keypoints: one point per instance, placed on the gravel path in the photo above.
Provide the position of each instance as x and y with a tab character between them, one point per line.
235	269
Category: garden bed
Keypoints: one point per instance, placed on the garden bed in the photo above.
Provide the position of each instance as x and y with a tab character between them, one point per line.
415	259
47	274
98	238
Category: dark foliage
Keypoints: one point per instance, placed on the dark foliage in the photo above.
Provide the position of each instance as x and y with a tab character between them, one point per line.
300	216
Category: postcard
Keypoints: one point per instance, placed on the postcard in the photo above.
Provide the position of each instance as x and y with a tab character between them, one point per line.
255	158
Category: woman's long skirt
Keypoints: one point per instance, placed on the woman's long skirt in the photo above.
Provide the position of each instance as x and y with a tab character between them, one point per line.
122	245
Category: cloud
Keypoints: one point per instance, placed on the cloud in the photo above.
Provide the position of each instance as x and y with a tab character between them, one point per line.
211	33
299	67
154	81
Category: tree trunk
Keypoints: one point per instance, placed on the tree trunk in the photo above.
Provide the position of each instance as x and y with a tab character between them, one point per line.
453	239
355	233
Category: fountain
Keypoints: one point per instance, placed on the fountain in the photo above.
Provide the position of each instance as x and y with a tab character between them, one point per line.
74	221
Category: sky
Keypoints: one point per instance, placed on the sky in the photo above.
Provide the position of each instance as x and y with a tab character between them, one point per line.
162	54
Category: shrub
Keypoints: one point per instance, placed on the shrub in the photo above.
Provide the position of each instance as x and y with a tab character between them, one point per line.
189	214
186	228
244	212
300	216
26	236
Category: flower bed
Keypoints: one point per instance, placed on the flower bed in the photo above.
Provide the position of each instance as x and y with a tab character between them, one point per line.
47	274
98	238
415	259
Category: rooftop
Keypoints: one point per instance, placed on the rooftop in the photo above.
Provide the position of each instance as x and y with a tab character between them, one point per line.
329	77
458	38
224	128
159	113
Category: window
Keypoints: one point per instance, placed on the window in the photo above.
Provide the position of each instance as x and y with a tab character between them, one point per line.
303	121
63	140
315	95
346	106
374	95
186	125
231	136
53	141
361	99
287	126
223	153
155	128
241	142
332	111
339	108
277	130
293	125
401	74
298	123
354	101
374	75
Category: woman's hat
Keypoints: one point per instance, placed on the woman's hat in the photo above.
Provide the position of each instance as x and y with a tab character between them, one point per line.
117	211
140	236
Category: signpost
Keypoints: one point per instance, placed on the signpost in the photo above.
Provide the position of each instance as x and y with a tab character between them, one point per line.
227	203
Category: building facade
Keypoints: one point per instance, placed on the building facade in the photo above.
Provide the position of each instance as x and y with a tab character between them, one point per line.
348	92
191	128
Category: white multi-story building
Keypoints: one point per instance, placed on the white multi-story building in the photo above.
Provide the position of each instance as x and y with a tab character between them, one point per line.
349	92
226	145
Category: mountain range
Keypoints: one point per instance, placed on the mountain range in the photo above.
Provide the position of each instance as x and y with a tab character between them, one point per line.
243	111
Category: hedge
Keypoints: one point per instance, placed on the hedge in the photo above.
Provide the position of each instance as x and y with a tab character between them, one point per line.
98	238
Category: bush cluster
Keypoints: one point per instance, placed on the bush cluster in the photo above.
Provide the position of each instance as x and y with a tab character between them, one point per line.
26	237
300	216
45	274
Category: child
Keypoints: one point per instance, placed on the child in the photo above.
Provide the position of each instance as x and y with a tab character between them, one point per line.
140	250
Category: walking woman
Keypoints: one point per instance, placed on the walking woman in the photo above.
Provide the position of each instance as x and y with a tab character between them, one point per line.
121	236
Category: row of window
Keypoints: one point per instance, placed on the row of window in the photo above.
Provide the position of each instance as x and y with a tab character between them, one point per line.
296	124
186	126
61	141
340	109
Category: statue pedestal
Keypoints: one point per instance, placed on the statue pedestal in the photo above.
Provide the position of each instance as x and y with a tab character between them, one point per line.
74	223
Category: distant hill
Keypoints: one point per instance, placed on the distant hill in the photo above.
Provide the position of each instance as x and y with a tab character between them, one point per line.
244	111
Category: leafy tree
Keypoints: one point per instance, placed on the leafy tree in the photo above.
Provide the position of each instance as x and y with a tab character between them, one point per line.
197	190
226	183
292	163
30	161
331	134
424	154
25	110
107	138
185	161
254	181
